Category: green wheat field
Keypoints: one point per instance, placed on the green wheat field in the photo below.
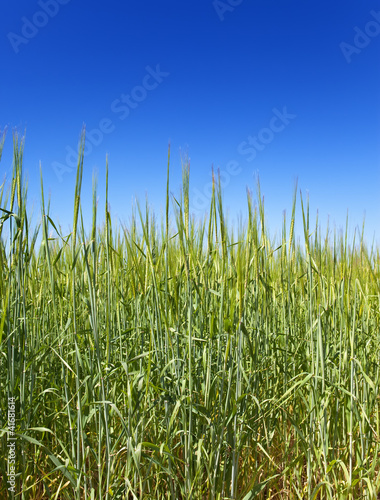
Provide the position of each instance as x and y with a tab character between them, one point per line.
172	359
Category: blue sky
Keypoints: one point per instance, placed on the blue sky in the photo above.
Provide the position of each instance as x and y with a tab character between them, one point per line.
283	90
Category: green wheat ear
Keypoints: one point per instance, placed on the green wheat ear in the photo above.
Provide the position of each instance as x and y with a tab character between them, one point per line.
176	359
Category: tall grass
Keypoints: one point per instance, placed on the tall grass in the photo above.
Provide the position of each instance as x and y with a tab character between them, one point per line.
187	360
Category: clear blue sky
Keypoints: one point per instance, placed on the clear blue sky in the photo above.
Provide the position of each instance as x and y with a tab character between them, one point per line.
261	87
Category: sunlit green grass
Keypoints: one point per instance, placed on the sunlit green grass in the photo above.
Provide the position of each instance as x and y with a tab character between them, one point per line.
170	359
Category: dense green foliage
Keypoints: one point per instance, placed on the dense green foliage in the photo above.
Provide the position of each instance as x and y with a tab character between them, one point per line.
182	360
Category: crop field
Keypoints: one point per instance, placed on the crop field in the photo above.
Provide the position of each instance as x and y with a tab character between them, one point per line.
172	359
